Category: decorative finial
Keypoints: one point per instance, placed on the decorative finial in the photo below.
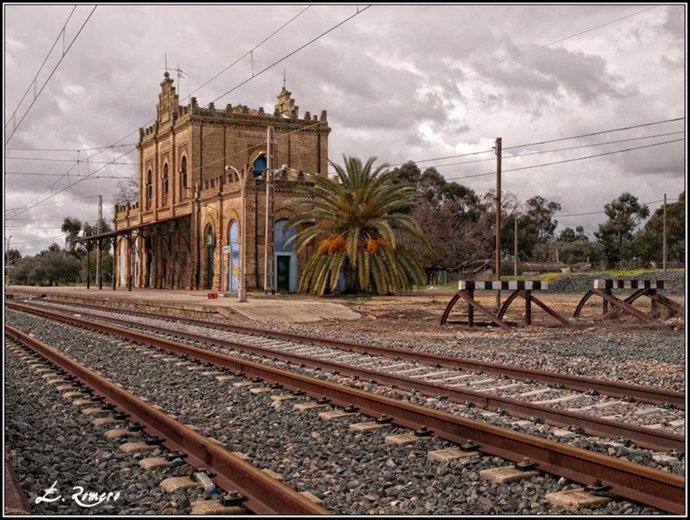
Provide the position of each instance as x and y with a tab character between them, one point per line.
284	78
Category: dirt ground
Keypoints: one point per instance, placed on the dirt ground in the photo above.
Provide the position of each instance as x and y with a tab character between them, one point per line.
418	315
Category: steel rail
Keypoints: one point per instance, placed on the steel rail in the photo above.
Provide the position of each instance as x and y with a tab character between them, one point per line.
592	425
638	483
645	394
263	494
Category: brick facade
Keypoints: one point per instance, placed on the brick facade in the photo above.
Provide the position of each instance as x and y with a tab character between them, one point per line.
191	162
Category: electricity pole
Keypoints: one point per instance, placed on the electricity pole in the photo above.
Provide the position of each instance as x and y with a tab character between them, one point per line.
516	247
269	163
497	148
99	258
663	258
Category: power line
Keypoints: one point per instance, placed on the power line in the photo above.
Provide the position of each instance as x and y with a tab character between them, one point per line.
560	149
68	160
33	81
47	204
621	129
516	56
83	177
249	79
38	241
604	211
359	11
250	51
566	160
36	95
71	149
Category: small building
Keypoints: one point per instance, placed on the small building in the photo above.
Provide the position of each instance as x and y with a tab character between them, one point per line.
185	230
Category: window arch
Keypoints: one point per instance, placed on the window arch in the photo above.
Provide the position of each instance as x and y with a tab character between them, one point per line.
183	176
234	261
149	189
165	184
259	166
282	236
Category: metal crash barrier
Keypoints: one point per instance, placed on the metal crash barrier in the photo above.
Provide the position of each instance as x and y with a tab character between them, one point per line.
523	289
604	289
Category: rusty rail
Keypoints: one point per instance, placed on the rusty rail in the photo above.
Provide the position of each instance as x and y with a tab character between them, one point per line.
264	495
652	487
643	394
592	425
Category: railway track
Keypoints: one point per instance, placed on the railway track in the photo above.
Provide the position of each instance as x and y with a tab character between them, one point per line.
260	493
457	386
261	337
652	487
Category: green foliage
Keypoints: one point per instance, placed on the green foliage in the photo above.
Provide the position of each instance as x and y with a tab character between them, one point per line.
540	213
569	234
52	266
616	234
355	224
675	233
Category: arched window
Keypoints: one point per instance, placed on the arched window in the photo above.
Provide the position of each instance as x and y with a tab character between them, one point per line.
285	260
149	189
282	236
234	267
183	176
259	166
165	184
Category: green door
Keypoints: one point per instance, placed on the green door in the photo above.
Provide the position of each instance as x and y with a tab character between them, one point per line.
283	273
210	250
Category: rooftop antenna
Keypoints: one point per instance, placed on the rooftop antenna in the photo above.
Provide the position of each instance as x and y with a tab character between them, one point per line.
180	74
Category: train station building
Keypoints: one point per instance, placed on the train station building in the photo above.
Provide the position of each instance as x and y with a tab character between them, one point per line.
185	230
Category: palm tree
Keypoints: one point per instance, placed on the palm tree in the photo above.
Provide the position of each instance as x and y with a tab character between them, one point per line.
354	222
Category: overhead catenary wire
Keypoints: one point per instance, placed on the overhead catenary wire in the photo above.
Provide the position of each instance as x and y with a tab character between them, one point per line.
565	160
244	82
33	81
16	125
543	46
70	149
564	215
539	152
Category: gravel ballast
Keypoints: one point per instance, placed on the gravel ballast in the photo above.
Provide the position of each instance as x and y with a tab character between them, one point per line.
350	475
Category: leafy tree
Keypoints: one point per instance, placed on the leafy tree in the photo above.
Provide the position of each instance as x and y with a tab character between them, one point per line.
13	256
50	266
569	234
356	222
616	234
541	212
72	226
675	231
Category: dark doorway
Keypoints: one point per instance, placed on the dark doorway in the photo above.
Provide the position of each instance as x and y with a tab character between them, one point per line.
283	273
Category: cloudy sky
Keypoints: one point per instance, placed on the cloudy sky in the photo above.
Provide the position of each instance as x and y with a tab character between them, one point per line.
399	82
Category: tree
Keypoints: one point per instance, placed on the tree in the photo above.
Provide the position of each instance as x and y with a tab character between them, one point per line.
355	223
127	190
616	234
72	226
573	235
675	231
13	256
541	213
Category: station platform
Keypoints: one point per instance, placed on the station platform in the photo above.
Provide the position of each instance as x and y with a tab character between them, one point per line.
282	308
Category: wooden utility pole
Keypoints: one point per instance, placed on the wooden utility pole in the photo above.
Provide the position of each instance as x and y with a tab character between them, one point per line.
663	258
99	258
515	269
498	218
